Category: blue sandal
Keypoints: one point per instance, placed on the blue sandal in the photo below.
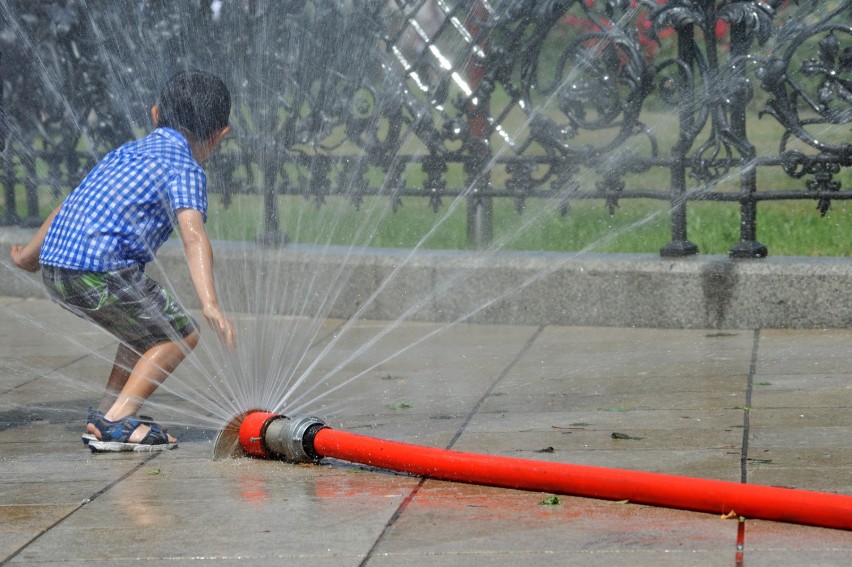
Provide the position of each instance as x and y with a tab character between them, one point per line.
115	436
93	415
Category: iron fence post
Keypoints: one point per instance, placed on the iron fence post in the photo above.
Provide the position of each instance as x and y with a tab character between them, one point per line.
748	246
271	234
10	215
479	205
680	245
33	218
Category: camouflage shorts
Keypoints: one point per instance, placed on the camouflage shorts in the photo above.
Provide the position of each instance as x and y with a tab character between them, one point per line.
127	303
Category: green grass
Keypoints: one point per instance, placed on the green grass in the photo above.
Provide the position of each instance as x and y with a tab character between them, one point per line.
786	228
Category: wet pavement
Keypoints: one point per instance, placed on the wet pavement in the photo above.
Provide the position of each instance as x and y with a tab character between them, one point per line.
761	406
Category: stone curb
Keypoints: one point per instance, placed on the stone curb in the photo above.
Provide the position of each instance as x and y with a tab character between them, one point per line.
632	290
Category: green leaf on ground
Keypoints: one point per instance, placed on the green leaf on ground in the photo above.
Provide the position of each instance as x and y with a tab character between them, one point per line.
550	501
399	406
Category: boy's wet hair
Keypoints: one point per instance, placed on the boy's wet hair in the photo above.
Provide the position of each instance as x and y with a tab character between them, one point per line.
195	102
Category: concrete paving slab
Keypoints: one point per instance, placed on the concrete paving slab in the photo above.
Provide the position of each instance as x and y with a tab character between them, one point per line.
19	524
680	396
622	402
532	442
794	438
546	558
820	469
451	369
800	417
428	430
799	382
255	503
771	544
576	424
51	393
514	526
41	493
805	398
814	351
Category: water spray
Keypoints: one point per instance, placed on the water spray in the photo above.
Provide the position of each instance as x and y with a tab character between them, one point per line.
308	439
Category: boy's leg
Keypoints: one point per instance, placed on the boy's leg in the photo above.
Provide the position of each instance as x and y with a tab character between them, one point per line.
150	370
125	360
138	311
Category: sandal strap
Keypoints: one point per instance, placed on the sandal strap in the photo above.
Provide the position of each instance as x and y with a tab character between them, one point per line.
155	436
121	430
92	415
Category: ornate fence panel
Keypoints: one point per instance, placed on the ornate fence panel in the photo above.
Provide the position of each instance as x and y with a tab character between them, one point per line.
528	99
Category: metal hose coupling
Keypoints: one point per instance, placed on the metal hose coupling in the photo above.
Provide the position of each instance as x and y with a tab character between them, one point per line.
270	435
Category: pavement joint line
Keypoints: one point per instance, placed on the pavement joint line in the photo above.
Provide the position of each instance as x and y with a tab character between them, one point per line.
739	555
400	510
328	336
397	514
493	385
88	500
752	369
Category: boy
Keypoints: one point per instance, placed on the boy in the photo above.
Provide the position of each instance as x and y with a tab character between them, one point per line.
94	246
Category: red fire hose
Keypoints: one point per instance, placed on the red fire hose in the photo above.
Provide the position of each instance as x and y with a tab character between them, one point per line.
263	434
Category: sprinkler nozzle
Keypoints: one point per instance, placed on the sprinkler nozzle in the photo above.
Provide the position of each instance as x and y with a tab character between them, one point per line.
270	435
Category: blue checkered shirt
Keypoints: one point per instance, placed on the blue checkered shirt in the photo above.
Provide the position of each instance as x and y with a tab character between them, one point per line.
124	209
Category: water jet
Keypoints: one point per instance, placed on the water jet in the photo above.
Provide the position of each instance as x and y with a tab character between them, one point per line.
305	439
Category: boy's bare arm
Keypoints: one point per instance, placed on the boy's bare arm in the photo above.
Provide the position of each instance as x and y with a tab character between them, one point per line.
199	255
26	257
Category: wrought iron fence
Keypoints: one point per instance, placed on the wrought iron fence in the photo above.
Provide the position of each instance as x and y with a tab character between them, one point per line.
523	99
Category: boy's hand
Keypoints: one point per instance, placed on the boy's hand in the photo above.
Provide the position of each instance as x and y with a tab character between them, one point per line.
223	327
24	260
